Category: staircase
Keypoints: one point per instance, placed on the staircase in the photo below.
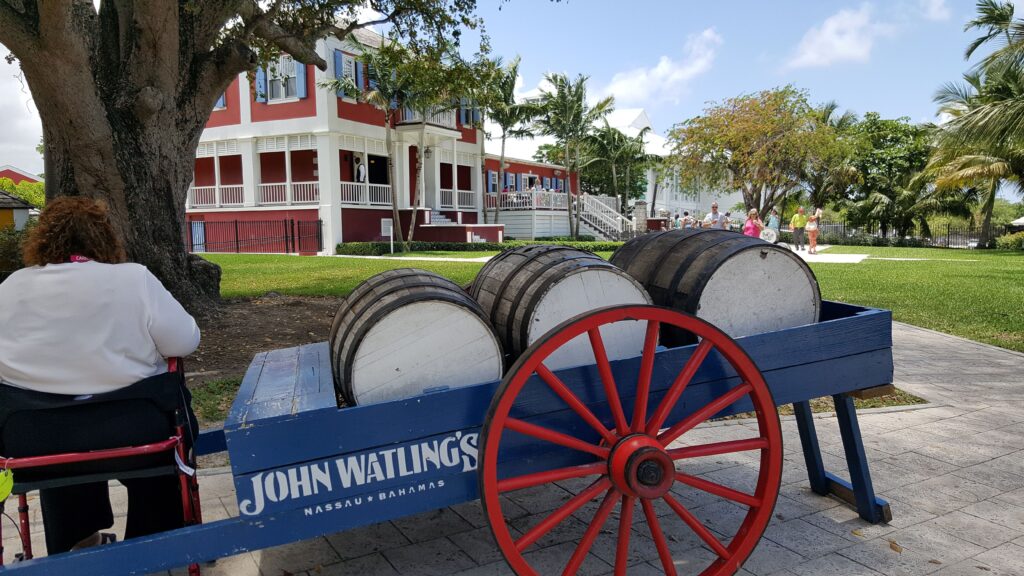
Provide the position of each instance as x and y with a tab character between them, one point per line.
604	221
438	218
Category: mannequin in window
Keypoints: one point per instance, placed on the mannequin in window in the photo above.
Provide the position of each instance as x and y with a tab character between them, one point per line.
360	171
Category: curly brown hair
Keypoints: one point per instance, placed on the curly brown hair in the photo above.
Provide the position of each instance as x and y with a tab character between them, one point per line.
73	225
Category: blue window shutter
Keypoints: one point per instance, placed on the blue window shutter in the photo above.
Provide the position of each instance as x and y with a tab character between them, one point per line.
300	79
547	183
359	75
221	102
490	178
476	115
339	69
261	85
519	182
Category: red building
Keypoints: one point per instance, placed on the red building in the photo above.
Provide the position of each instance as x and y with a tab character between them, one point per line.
17	175
281	152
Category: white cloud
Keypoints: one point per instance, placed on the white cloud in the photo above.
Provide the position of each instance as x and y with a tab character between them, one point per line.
667	79
934	9
846	36
22	126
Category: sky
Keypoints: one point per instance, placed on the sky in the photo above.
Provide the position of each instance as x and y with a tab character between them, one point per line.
672	57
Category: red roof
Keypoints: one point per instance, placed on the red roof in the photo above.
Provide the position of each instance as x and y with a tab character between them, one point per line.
17	175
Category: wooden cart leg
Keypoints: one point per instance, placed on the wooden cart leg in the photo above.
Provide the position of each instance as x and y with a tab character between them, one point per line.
858	493
812	452
870	507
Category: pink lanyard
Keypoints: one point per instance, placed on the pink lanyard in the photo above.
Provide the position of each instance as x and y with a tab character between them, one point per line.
78	259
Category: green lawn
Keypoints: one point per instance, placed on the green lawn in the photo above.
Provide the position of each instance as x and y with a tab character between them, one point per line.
974	294
443	254
255	275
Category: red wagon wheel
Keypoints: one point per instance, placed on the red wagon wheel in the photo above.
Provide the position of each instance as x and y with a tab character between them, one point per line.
635	459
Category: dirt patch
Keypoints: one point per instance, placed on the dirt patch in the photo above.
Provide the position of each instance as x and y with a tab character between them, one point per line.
242	328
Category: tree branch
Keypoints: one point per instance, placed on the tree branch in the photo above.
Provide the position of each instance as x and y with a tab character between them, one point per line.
16	30
342	33
262	25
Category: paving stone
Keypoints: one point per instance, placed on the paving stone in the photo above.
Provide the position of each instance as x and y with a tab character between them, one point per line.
960	488
971	567
832	565
367	540
770	558
297	556
972	529
1012	463
492	569
991	475
1008	557
431	525
473	512
787	508
934	544
846	523
370	565
552	560
805	538
540	498
569	530
1001	513
437	557
479	544
930	501
879	556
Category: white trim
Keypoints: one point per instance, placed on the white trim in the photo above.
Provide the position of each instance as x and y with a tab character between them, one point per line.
289	100
242	209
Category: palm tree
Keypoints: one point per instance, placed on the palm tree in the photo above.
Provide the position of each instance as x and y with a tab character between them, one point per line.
512	117
569	119
986	166
610	146
831	174
995	18
387	89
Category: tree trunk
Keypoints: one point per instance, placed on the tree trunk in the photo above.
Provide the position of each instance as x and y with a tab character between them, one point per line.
396	220
126	135
568	189
984	238
485	189
654	199
501	177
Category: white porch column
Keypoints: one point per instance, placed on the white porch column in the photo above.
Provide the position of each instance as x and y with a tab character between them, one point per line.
250	170
479	187
405	173
455	177
435	187
287	171
366	167
216	174
327	146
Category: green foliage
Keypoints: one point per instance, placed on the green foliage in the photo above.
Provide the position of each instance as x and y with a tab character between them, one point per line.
212	400
759	143
10	250
1011	241
32	192
580	238
383	248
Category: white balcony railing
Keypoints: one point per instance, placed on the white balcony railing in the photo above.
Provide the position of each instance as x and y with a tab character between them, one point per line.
445	118
305	192
448	199
467	199
232	195
203	196
273	193
364	194
528	201
458	199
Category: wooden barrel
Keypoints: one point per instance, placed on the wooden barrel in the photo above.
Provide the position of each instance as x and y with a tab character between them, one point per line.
740	284
406	331
529	290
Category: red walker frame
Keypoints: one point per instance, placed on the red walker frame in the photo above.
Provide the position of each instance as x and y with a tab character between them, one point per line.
191	508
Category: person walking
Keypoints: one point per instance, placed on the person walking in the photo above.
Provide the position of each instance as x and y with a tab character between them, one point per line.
812	231
797	224
774	221
688	221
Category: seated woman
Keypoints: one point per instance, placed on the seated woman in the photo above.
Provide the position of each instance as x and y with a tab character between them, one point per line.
80	320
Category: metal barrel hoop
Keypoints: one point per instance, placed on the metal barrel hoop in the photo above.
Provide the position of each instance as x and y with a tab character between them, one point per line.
642	457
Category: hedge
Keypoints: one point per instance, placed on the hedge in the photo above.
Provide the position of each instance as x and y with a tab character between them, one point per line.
10	251
860	240
1011	241
382	248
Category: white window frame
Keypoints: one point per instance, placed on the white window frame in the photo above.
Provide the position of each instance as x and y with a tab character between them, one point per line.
280	73
493	184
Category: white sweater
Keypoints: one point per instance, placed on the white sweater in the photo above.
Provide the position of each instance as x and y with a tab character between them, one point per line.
88	328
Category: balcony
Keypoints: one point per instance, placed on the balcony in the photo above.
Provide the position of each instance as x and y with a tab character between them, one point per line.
458	200
215	196
442	118
278	193
528	201
365	194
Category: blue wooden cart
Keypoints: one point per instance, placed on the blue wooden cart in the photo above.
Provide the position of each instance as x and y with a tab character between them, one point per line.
616	431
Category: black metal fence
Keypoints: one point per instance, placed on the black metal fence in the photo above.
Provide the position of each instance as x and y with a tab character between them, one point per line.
949	236
284	236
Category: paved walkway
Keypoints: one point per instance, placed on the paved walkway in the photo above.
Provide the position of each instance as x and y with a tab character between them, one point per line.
953	472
